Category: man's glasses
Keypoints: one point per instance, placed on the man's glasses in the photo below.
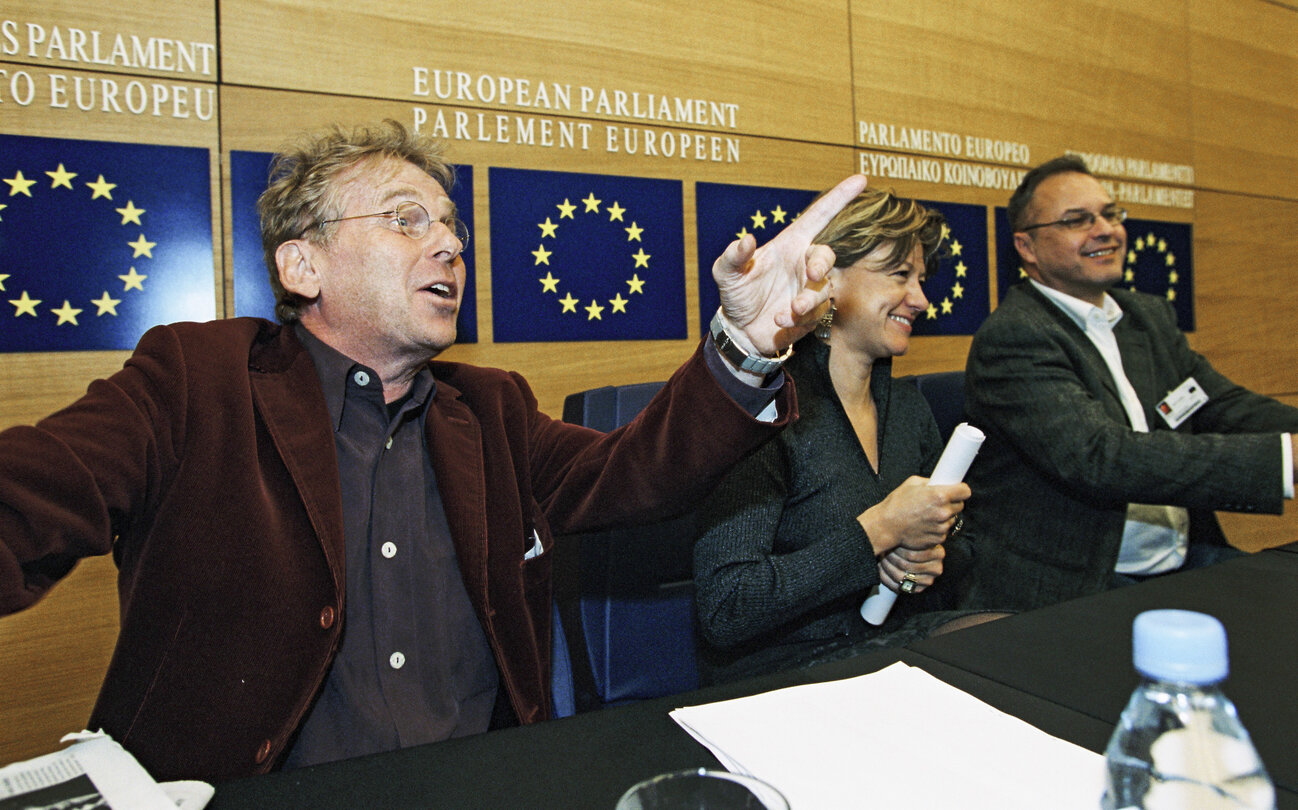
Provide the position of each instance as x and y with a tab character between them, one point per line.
1083	220
414	221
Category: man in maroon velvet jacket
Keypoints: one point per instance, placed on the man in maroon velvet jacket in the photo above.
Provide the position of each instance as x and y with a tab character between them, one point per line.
329	545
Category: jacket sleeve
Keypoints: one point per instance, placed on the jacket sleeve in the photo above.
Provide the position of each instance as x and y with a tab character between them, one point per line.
747	583
1038	389
70	484
661	464
1230	408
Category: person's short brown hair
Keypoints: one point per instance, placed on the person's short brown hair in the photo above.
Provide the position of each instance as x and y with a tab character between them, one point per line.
304	187
875	217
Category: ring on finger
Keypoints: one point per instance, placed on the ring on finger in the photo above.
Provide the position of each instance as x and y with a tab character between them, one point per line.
908	583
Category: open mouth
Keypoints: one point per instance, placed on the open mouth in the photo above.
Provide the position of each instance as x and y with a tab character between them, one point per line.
1102	252
900	319
441	290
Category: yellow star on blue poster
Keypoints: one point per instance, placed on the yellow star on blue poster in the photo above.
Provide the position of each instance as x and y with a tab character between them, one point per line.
957	287
585	257
725	212
1158	262
101	241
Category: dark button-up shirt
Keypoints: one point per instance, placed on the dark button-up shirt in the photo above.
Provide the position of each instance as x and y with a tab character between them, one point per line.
414	665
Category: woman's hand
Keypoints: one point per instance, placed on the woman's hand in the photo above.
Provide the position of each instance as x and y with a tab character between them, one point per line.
921	567
914	516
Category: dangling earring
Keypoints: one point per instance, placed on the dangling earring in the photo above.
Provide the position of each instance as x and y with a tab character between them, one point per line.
826	321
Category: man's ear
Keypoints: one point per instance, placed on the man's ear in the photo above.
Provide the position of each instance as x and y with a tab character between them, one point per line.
1027	250
297	271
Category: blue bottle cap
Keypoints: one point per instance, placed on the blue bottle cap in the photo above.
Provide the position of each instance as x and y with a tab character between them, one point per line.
1179	645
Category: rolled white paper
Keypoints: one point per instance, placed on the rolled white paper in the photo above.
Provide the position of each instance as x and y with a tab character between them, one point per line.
951	467
958	455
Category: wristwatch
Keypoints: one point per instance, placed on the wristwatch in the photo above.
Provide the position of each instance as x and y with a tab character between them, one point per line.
736	354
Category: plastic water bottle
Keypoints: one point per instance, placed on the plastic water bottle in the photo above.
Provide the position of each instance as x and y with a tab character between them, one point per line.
1179	743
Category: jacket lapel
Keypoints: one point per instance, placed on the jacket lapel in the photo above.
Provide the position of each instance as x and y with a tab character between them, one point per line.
288	396
1095	371
455	447
1138	362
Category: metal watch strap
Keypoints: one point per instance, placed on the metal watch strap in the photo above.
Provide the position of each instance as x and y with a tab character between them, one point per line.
736	354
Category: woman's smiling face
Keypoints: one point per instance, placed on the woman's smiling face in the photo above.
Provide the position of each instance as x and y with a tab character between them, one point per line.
878	302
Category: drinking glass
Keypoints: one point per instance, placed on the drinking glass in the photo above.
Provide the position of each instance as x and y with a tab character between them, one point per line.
702	789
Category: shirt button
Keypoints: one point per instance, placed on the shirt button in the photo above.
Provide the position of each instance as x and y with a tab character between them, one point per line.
327	617
397	660
362	379
389	550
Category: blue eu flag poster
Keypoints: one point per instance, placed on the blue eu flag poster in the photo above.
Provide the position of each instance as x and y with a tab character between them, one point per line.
249	173
1009	268
1159	261
100	241
724	213
585	257
959	290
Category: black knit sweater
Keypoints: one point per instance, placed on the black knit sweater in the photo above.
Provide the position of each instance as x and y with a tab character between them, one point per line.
781	564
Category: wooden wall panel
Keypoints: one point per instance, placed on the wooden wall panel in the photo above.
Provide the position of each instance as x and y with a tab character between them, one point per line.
1244	81
674	49
52	659
160	38
1096	75
92	105
54	83
1245	293
1256	532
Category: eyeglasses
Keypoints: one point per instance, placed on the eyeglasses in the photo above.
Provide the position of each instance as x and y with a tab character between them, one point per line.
1083	220
414	221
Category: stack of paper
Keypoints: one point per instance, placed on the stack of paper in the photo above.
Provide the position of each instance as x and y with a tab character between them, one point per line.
94	772
895	738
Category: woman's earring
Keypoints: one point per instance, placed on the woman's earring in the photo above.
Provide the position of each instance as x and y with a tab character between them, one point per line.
826	321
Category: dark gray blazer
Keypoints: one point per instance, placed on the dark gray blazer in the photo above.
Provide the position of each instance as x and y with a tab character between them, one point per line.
1060	464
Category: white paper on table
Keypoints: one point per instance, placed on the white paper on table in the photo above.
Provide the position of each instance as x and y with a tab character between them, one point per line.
114	774
898	737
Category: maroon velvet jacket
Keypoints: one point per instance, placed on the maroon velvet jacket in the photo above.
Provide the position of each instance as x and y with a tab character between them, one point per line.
206	466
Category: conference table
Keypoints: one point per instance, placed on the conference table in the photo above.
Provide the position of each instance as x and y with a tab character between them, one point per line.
1078	654
1066	669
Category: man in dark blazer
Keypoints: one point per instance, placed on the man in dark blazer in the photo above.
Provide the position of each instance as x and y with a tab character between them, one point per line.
330	545
1109	441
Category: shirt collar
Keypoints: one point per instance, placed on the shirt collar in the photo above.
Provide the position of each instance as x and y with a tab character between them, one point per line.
334	369
1082	312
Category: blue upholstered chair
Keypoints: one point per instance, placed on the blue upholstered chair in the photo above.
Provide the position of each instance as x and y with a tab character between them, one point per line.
563	695
944	391
629	614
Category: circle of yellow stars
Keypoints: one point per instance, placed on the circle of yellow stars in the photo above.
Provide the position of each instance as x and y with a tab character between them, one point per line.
61	178
947	305
550	229
1145	243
